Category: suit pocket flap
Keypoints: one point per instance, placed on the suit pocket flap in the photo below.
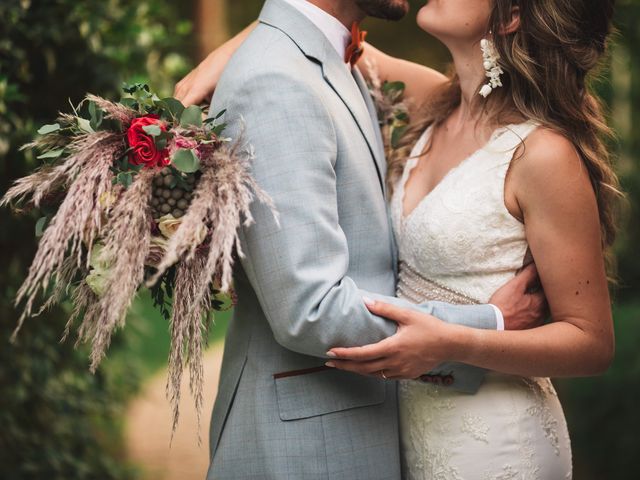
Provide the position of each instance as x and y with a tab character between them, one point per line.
326	391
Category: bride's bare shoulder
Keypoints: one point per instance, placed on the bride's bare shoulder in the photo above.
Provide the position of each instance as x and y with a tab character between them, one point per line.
548	169
548	153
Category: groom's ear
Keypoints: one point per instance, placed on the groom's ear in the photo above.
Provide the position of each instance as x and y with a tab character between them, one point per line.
514	23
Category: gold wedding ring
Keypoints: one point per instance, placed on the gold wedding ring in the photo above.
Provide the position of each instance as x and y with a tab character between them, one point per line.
383	375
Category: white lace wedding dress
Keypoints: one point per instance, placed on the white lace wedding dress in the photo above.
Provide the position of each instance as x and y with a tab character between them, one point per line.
459	245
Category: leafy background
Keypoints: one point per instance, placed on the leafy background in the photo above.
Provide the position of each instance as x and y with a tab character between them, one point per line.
59	421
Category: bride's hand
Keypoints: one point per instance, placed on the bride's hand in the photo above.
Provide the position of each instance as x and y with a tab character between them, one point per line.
421	343
198	86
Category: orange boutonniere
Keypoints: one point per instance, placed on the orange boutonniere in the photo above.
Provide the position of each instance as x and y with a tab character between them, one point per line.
355	49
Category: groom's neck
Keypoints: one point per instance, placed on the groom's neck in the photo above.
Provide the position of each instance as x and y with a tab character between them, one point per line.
344	10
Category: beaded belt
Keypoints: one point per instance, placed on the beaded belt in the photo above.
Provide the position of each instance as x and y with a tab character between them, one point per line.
418	289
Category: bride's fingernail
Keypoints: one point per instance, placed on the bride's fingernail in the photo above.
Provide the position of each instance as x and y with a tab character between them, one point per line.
368	301
331	354
330	364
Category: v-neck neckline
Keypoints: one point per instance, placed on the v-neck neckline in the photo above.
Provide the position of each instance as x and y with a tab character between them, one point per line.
497	133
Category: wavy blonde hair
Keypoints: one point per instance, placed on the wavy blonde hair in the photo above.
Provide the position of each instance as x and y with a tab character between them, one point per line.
548	62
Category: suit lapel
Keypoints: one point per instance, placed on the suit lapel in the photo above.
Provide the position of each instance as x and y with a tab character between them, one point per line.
380	158
373	115
315	46
345	86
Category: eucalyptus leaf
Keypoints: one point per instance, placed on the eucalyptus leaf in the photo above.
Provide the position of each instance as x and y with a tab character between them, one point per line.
41	225
125	179
174	106
127	166
97	116
144	98
402	116
396	135
186	160
51	154
129	102
85	125
129	88
191	116
162	140
46	129
135	87
153	130
161	143
393	87
220	114
218	129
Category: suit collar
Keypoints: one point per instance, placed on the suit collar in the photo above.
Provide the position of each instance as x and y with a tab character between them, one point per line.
338	35
293	23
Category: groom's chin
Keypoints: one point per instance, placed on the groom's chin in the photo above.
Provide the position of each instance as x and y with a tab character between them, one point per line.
384	9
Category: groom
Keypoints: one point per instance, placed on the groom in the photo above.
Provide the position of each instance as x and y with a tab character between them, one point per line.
318	152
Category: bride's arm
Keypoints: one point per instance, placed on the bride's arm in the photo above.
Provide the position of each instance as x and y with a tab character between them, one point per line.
552	191
198	86
550	187
421	82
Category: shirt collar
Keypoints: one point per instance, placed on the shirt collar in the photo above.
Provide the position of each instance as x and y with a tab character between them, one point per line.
338	35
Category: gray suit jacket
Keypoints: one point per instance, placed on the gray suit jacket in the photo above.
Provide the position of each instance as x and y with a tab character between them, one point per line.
300	285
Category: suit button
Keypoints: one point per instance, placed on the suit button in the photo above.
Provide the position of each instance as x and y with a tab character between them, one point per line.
437	380
448	380
426	378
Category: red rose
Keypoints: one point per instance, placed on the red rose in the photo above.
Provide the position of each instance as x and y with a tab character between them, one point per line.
143	147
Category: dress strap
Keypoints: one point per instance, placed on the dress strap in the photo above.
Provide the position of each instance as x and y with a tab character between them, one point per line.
509	138
422	142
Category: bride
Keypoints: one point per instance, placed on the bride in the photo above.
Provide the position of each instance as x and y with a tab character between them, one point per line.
509	167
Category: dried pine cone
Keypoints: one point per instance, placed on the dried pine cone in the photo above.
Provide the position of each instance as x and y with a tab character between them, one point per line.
172	194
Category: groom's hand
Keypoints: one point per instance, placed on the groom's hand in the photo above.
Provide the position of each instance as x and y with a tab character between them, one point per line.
522	301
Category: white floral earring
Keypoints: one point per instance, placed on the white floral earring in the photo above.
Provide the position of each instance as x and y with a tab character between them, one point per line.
492	68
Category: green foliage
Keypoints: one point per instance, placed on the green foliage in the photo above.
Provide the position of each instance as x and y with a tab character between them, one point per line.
191	116
399	120
602	412
46	129
173	106
162	293
186	160
627	101
58	421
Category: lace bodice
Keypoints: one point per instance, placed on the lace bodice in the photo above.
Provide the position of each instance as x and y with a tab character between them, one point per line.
459	245
461	235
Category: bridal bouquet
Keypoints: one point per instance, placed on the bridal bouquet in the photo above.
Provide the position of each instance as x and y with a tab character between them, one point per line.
137	193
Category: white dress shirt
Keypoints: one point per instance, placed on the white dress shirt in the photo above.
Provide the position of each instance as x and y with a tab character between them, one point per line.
340	37
333	29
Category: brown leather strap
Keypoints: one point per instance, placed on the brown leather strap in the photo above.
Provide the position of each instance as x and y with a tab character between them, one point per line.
305	371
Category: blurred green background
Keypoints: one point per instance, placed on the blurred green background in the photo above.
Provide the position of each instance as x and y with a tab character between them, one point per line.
59	421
